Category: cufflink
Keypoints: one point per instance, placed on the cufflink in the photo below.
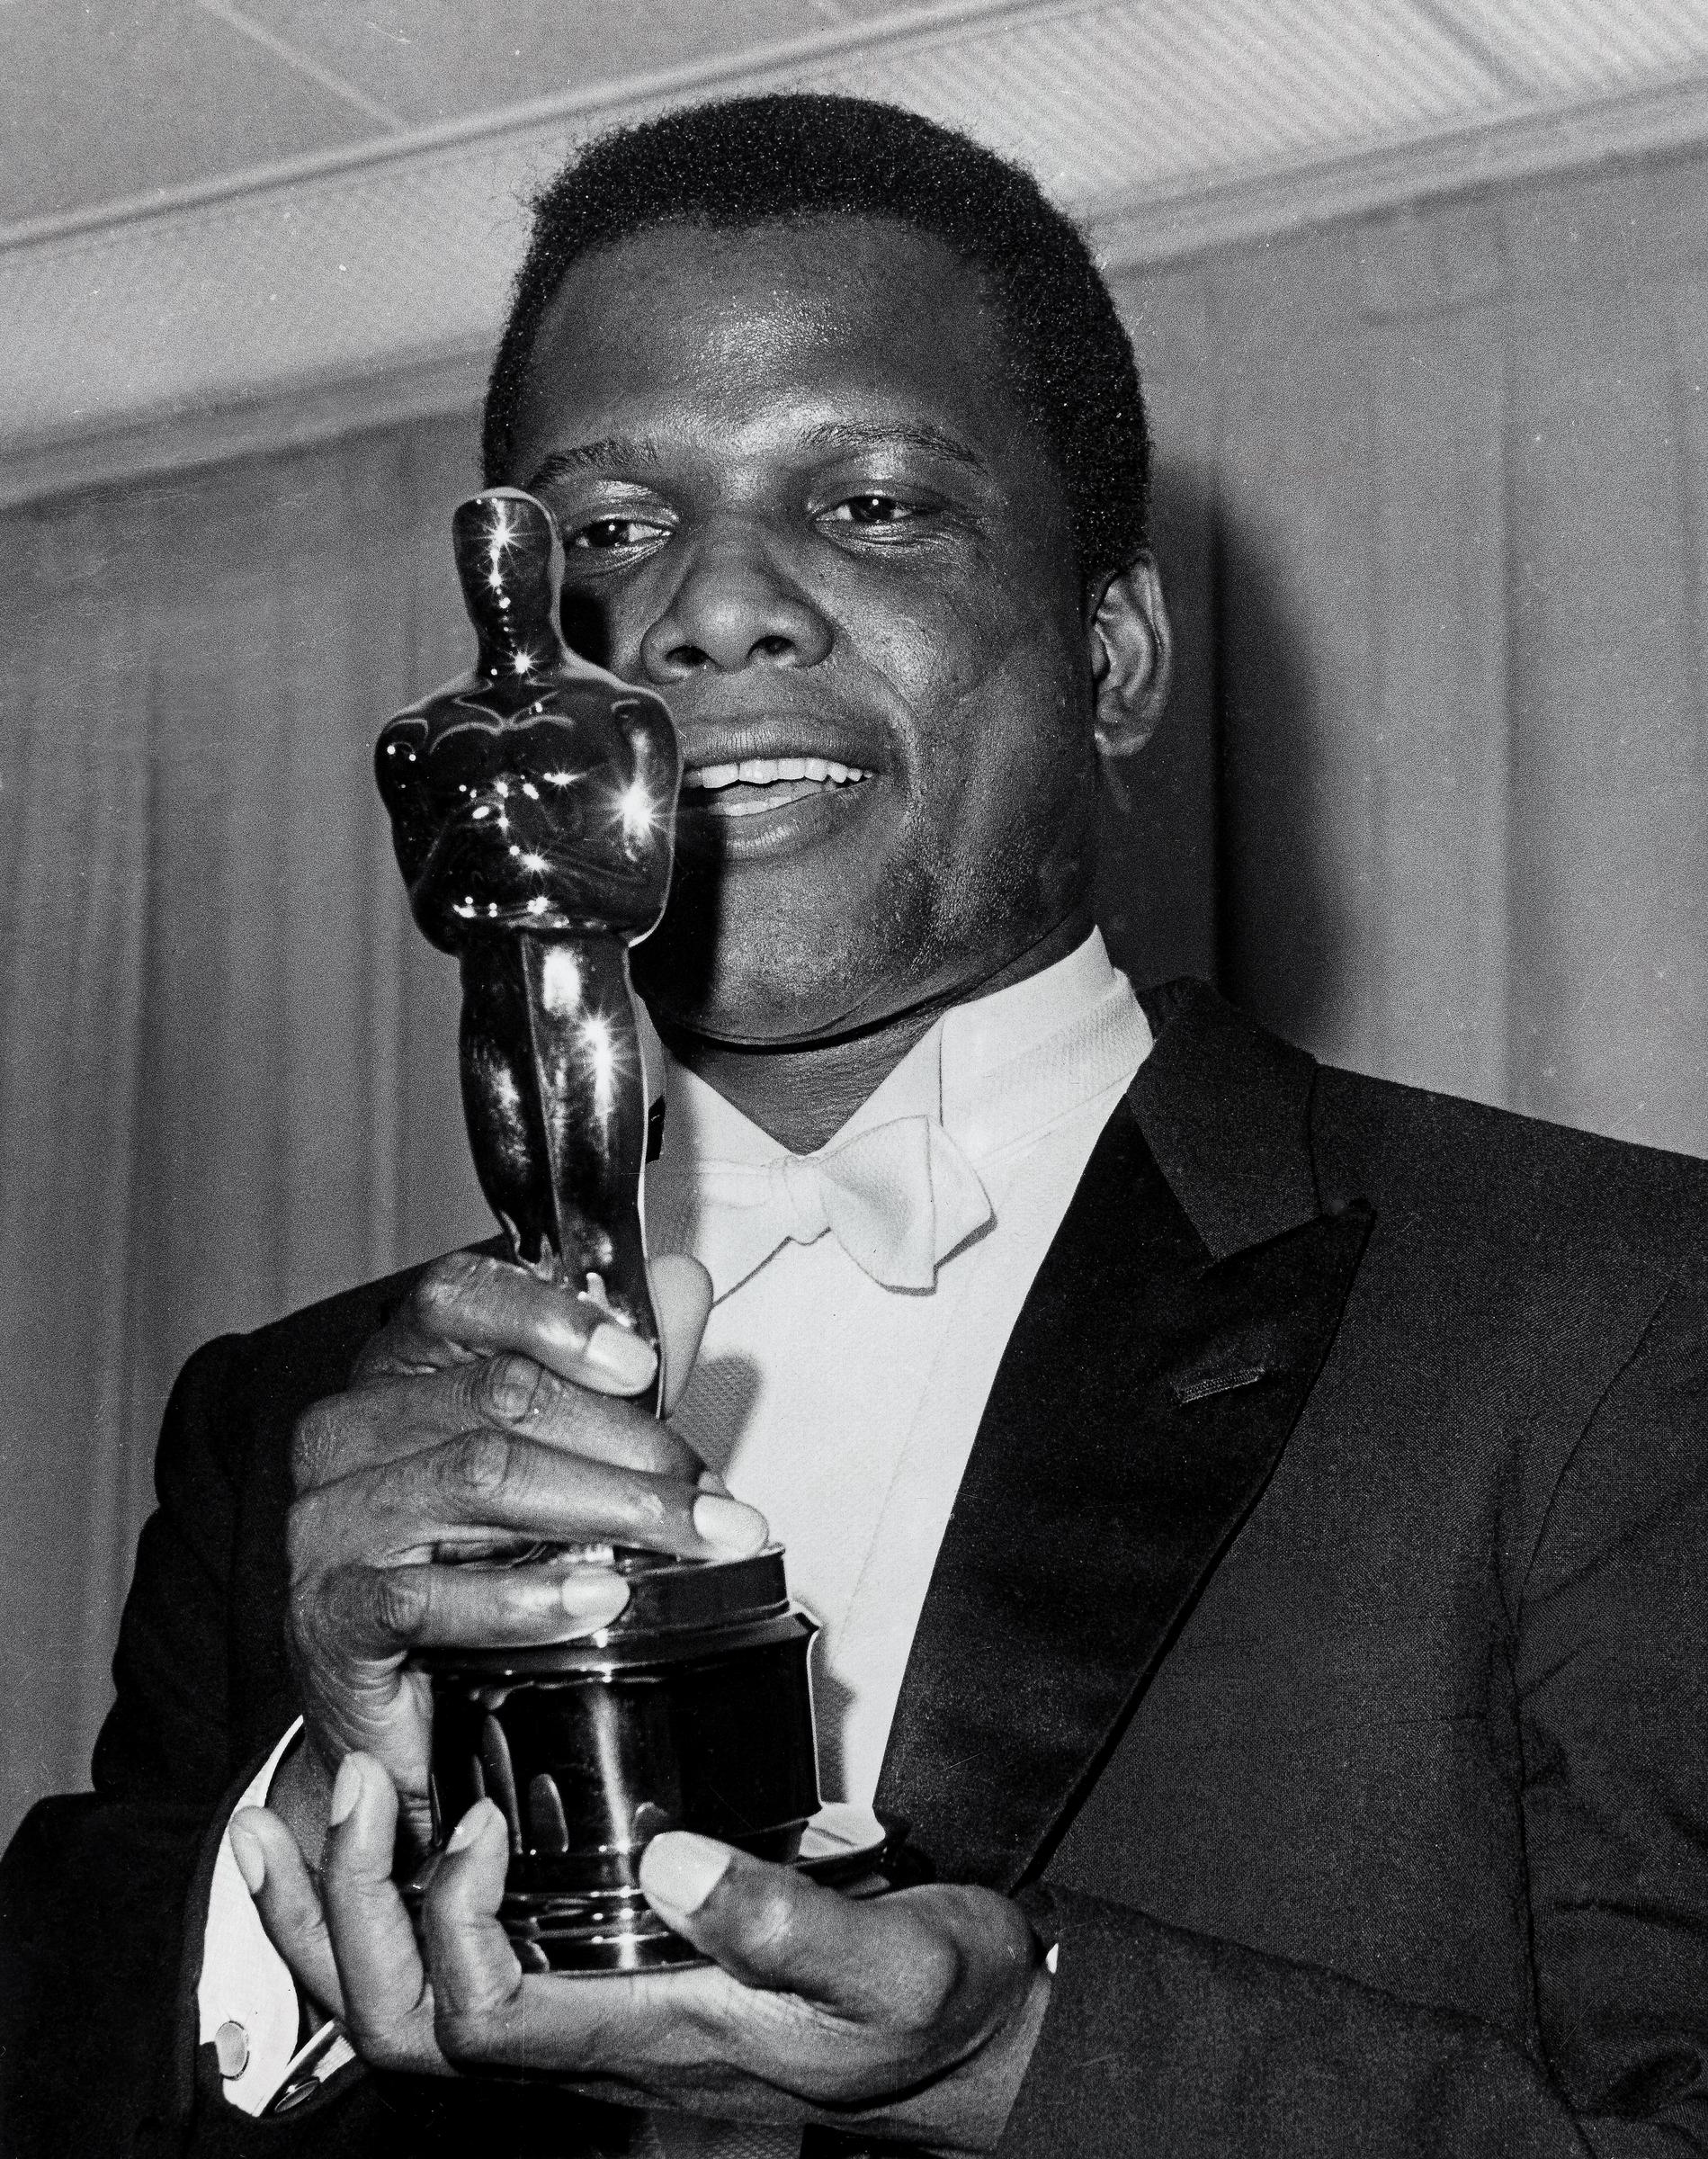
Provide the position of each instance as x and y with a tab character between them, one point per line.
312	2066
231	2048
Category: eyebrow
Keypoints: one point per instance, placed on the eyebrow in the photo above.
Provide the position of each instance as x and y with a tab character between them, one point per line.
609	450
831	435
937	442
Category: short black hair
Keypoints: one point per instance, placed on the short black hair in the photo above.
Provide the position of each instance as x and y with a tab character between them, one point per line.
789	156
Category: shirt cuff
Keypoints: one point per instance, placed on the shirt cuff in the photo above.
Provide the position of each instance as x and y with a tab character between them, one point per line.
245	1998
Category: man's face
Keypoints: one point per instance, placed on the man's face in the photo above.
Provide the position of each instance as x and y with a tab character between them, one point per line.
798	497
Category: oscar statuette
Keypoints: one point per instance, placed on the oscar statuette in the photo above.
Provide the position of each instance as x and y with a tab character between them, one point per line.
533	807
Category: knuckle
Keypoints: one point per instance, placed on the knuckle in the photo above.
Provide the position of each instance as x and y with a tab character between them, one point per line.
401	1599
927	1981
512	1388
468	2031
420	1309
771	1921
476	1465
443	1283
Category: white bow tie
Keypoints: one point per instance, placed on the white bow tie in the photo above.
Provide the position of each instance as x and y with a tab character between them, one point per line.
898	1198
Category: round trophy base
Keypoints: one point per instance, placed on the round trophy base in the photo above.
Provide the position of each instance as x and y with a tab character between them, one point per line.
617	1930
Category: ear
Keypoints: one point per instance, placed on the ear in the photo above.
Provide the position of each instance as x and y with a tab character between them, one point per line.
1132	656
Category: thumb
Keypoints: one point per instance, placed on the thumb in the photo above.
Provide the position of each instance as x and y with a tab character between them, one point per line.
681	1304
767	1926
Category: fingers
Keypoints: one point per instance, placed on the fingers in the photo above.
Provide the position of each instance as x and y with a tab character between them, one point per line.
379	1613
471	1302
387	2003
681	1300
457	1493
814	1998
624	2029
389	1420
278	1880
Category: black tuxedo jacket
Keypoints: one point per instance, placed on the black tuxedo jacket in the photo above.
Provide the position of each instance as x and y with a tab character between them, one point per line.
1318	1647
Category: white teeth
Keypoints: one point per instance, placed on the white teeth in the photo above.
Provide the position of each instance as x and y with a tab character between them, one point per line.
765	772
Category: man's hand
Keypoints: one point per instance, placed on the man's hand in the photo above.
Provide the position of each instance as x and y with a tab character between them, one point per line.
490	1414
914	2014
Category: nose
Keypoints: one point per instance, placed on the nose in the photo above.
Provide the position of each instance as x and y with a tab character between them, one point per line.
734	608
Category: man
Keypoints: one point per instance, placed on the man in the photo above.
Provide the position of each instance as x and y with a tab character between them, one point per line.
1257	1513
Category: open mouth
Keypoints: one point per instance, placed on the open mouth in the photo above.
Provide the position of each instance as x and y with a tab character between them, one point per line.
761	783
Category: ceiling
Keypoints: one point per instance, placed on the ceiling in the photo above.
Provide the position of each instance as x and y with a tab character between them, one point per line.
110	100
208	204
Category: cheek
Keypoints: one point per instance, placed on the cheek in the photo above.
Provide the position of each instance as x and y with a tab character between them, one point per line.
1001	726
972	664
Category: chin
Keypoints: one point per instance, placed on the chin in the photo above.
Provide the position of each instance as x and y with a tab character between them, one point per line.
770	958
769	984
758	1006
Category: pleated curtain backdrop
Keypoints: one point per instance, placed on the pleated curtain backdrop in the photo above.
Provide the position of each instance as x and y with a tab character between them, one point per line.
1456	472
1430	509
214	1101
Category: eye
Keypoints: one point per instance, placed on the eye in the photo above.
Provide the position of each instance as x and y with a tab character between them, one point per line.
873	509
606	533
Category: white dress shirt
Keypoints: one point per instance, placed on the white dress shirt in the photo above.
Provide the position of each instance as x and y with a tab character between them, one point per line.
845	1411
842	1409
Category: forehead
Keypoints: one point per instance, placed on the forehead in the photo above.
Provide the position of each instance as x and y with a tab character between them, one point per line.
854	316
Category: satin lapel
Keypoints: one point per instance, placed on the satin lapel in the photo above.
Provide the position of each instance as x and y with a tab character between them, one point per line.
1139	1409
1226	1107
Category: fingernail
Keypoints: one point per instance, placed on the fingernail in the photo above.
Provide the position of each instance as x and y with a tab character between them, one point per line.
472	1826
729	1524
247	1850
620	1356
346	1790
682	1869
592	1596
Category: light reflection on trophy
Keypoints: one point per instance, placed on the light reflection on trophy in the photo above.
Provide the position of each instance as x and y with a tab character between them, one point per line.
533	808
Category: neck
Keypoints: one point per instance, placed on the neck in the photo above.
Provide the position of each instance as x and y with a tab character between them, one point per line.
802	1093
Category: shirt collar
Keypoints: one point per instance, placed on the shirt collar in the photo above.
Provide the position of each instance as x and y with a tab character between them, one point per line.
996	1071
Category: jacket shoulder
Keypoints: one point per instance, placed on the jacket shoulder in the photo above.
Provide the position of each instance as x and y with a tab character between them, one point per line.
310	1351
327	1336
1549	1190
1235	1111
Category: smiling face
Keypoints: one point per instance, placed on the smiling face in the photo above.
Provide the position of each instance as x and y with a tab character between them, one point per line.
798	497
